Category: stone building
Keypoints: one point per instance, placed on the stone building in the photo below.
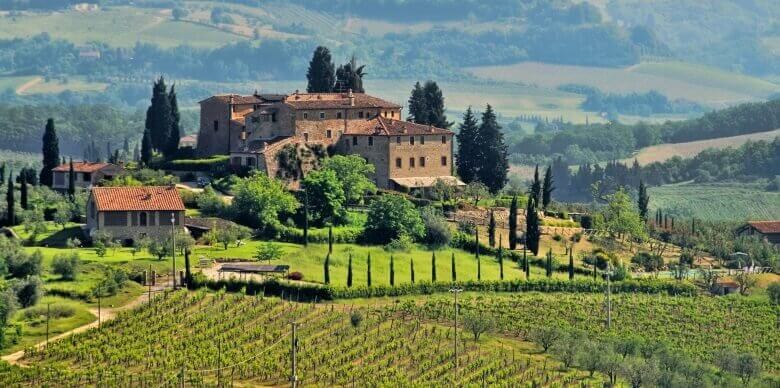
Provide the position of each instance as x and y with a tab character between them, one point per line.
286	135
88	174
764	230
128	213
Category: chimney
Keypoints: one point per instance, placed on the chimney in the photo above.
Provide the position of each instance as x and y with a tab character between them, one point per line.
351	97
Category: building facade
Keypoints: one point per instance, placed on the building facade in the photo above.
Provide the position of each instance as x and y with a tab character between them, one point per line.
129	213
764	230
87	174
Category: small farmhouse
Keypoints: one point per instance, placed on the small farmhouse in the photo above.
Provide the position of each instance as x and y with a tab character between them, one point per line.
87	174
766	230
128	213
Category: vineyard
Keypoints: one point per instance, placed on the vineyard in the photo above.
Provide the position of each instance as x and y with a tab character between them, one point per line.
209	339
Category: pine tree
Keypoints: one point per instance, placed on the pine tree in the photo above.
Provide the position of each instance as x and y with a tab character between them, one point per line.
513	224
71	180
174	133
158	116
10	213
392	271
571	263
434	102
493	163
411	271
532	233
468	148
322	72
643	201
146	148
547	188
23	190
51	153
433	266
368	271
349	272
536	187
492	230
327	268
452	267
418	108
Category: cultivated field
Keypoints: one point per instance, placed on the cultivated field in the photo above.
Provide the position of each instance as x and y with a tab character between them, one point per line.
716	202
715	88
661	152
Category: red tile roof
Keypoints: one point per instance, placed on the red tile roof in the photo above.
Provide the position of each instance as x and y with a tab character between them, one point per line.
379	126
137	198
336	100
82	167
766	226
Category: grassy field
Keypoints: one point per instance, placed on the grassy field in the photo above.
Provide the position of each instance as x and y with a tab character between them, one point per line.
14	82
74	84
716	202
705	85
33	328
661	152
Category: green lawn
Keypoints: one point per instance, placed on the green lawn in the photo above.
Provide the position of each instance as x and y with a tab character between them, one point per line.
34	330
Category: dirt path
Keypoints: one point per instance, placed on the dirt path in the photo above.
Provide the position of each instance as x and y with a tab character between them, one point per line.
27	85
106	314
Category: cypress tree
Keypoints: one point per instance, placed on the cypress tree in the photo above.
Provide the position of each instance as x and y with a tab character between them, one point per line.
327	268
10	213
330	239
513	224
526	264
433	266
501	259
321	75
418	108
571	263
492	230
187	272
547	188
493	163
349	272
468	148
411	265
23	190
126	147
452	267
2	174
434	102
146	148
643	201
136	153
174	133
71	180
51	153
476	252
392	271
536	186
548	268
158	116
532	233
368	271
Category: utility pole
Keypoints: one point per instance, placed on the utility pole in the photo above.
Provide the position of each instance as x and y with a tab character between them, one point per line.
294	375
456	291
173	250
48	315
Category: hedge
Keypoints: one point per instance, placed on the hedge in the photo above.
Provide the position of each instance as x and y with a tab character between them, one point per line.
299	292
341	235
205	164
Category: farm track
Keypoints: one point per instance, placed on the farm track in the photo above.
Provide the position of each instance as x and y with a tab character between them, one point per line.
27	85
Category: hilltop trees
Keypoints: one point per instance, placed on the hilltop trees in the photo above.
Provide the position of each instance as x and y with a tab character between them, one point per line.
494	164
162	119
350	77
322	72
51	153
174	135
426	105
468	146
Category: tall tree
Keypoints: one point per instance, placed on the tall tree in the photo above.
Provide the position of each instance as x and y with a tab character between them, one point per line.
476	252
536	186
434	102
548	267
547	188
494	166
350	77
411	269
513	224
10	211
492	229
368	270
644	201
392	271
433	266
51	153
327	268
468	147
146	148
2	174
418	109
158	116
322	72
349	272
532	232
71	180
501	259
174	133
452	268
23	191
126	147
571	263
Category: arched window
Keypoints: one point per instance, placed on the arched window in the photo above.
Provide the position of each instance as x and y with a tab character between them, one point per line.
142	219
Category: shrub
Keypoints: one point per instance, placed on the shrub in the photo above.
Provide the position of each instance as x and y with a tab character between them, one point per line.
341	234
54	311
400	244
576	237
295	276
648	261
355	318
190	198
205	164
28	291
557	237
467	227
437	230
586	221
22	265
66	265
390	217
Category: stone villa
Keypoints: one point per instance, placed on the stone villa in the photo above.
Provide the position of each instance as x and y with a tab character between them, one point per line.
88	174
131	212
286	135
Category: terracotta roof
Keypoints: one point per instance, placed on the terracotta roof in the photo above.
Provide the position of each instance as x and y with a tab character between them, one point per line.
383	126
237	99
189	138
137	198
82	167
766	226
336	100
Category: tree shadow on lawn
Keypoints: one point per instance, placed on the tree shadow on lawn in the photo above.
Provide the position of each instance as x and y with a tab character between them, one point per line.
59	238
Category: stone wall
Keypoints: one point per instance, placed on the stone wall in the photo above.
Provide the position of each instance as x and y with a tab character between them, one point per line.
431	152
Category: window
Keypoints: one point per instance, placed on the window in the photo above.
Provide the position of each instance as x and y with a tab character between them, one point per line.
444	140
392	114
273	117
443	160
411	162
360	114
216	125
422	161
87	177
354	140
398	139
305	115
322	115
411	140
398	162
338	115
142	219
306	136
422	139
329	134
370	141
